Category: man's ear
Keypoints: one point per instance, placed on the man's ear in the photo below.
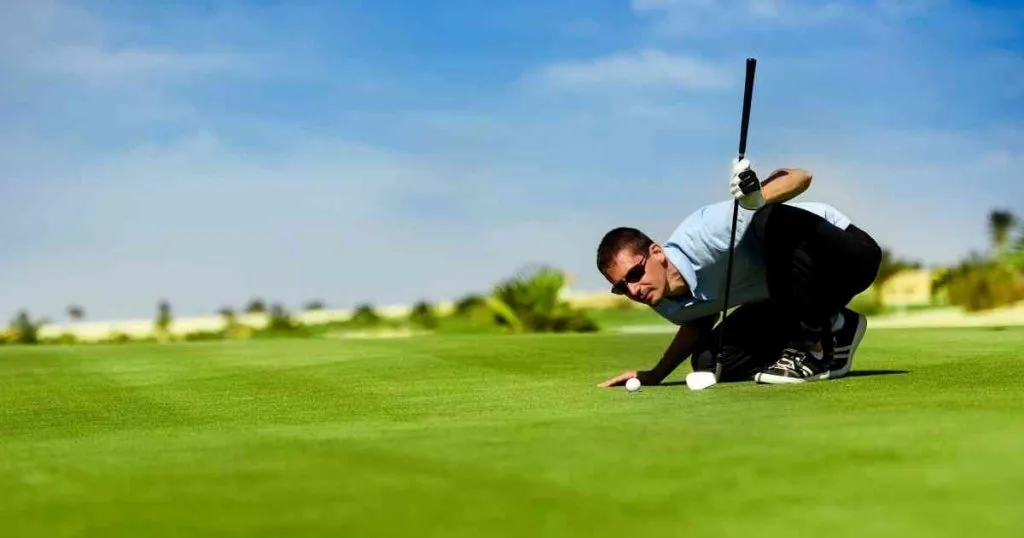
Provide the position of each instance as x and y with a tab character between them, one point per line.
658	252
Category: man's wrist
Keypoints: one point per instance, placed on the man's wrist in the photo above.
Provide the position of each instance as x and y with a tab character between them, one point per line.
753	201
648	377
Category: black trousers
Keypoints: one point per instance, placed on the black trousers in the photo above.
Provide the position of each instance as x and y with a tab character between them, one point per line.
755	335
813	269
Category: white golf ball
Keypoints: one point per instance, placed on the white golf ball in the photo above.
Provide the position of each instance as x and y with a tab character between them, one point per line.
633	384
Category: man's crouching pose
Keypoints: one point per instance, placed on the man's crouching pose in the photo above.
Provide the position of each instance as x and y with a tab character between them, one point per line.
795	269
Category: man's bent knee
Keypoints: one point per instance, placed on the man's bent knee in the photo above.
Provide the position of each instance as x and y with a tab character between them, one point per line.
870	254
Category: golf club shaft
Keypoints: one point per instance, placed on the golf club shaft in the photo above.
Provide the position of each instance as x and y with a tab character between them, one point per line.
748	95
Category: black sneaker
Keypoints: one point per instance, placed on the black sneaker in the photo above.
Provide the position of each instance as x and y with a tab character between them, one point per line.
845	342
794	366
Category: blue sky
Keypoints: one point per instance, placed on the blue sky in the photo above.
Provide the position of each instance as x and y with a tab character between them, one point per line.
211	152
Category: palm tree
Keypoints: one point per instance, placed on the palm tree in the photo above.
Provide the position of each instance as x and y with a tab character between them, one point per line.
164	317
1000	223
531	301
76	313
314	305
256	306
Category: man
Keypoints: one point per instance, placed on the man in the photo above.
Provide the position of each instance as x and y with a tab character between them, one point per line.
795	269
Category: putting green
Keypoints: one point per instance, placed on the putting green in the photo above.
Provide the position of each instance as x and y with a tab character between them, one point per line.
506	436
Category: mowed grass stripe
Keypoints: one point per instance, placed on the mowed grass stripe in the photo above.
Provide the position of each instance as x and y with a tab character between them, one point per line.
246	383
333	487
43	394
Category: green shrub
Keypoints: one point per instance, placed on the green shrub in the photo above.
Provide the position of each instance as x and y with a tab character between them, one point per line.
531	301
63	339
574	321
23	330
473	308
424	315
1015	258
117	337
204	336
314	305
978	285
232	327
279	319
365	316
469	305
256	306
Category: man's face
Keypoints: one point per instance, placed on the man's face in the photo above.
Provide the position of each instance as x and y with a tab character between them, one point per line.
641	276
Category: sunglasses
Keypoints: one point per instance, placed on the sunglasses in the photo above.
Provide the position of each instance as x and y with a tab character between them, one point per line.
634	275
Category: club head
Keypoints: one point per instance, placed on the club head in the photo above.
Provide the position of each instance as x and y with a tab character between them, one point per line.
700	380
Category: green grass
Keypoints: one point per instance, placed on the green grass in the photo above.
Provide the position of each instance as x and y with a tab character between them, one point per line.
505	436
614	318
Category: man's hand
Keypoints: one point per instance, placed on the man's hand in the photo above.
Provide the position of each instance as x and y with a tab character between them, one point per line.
619	379
745	186
681	347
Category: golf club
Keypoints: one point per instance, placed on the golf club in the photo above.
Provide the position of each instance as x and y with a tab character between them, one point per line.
748	95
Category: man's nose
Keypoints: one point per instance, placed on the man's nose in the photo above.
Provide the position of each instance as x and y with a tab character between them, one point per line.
634	288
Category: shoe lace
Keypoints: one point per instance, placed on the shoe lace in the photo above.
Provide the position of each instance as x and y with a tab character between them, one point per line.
789	359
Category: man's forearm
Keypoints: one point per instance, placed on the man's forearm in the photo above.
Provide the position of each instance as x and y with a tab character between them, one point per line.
681	347
785	184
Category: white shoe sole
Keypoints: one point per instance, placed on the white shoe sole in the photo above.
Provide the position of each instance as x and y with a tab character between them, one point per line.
858	335
772	379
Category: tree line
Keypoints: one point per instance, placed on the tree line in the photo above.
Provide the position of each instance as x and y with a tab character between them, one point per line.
530	300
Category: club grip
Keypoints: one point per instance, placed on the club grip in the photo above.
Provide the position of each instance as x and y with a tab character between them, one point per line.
748	96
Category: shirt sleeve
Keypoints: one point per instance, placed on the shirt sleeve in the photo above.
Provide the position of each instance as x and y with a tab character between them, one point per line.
717	224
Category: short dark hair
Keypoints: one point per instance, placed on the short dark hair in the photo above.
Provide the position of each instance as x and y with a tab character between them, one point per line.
617	240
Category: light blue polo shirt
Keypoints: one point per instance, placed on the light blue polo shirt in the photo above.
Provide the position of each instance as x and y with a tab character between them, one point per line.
699	247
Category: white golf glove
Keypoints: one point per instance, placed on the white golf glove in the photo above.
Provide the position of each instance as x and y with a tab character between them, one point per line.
744	185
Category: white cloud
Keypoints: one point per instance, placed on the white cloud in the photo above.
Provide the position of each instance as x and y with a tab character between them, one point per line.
999	158
55	38
713	17
704	16
97	65
26	26
99	208
205	224
905	7
641	69
651	5
923	193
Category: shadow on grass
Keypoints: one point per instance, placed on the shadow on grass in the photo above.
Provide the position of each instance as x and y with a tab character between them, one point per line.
865	373
854	373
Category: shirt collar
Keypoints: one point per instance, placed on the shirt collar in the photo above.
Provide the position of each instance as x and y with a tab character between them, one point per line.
685	266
